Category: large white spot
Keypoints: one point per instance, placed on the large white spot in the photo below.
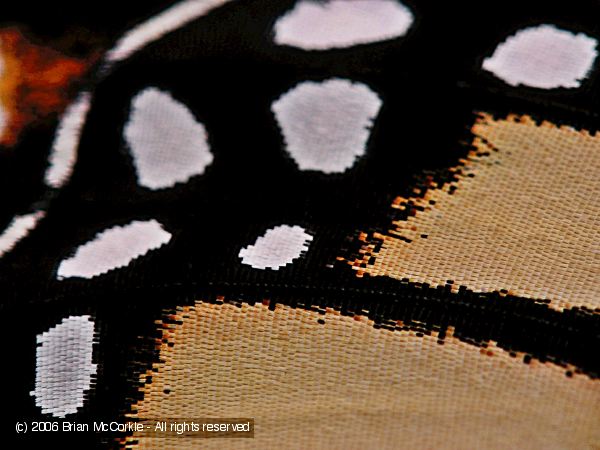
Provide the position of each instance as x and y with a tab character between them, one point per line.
278	247
18	228
113	248
153	29
67	138
320	25
326	125
64	148
167	143
543	57
64	367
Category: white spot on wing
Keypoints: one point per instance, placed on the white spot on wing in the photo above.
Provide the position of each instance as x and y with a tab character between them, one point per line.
172	18
67	141
278	247
543	57
113	248
317	25
326	125
18	229
167	143
64	148
64	367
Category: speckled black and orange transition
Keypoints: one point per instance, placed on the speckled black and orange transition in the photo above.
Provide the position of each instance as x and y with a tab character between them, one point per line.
318	378
521	216
332	381
36	81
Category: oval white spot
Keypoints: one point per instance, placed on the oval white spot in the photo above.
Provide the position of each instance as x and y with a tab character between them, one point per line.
64	148
167	143
543	57
113	248
320	25
18	228
64	367
278	247
326	125
66	143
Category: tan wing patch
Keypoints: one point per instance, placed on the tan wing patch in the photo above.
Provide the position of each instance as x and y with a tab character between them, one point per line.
524	217
344	384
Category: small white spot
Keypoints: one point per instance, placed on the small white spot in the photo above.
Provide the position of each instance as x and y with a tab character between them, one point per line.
113	248
167	143
153	29
278	247
326	125
64	367
18	228
64	148
321	25
543	57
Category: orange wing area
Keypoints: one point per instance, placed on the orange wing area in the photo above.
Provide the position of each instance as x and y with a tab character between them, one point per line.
35	82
